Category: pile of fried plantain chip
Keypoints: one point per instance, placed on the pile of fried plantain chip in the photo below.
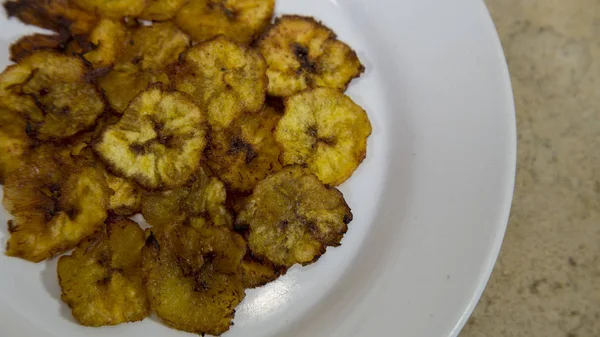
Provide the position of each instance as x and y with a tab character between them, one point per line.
227	129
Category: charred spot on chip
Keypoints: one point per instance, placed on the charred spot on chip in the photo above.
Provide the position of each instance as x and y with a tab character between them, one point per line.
11	226
220	5
301	53
152	242
239	145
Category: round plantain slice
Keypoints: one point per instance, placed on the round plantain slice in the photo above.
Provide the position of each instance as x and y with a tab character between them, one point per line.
246	152
50	91
102	280
160	10
292	217
158	142
192	277
55	203
14	142
326	131
112	8
239	20
154	47
225	78
56	15
126	198
302	53
199	203
125	82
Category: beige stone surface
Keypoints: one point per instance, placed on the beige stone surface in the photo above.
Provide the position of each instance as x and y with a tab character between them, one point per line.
547	279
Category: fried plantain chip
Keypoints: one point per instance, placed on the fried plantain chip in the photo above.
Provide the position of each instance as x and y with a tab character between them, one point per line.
292	217
302	53
256	274
50	91
326	131
198	203
125	82
13	141
104	45
223	77
158	142
28	44
192	277
126	198
112	8
246	152
102	280
239	20
154	47
57	15
160	10
55	203
148	52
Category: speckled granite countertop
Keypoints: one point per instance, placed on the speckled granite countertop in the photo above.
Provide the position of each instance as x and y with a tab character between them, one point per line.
547	279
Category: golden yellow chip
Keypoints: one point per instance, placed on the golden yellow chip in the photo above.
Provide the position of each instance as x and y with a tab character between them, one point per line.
102	280
147	53
158	142
239	20
57	15
292	218
160	10
302	53
55	203
51	92
107	41
224	78
192	277
125	82
197	203
326	131
112	8
246	152
154	47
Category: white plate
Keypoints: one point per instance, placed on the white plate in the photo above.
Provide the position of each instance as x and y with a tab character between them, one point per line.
431	200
